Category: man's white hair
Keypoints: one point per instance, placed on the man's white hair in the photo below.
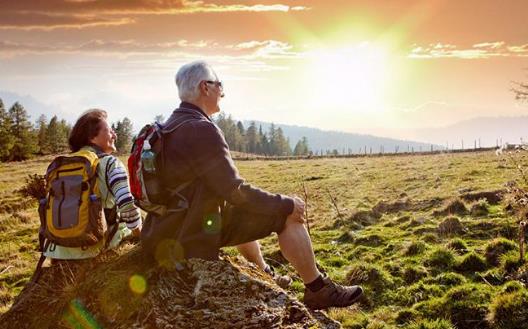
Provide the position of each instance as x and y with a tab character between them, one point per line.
189	77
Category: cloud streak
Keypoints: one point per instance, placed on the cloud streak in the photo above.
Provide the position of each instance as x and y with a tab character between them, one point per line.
481	50
55	14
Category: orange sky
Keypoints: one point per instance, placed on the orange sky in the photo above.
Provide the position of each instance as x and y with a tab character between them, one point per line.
361	66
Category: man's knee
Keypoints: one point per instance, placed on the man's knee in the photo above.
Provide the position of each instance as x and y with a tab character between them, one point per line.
294	225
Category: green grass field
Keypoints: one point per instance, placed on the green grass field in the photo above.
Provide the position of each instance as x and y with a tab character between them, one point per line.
430	251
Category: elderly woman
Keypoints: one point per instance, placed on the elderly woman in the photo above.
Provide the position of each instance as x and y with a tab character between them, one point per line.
92	132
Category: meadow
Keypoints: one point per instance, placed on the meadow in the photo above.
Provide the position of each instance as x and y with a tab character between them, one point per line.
430	237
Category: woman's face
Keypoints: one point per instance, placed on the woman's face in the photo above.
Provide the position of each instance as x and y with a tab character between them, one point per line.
106	138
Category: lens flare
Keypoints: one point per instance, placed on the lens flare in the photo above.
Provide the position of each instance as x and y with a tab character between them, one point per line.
137	284
212	223
77	316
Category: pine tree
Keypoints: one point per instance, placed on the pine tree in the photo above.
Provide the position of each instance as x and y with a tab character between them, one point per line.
281	143
42	134
263	145
123	130
65	129
301	148
242	137
252	138
7	141
21	129
273	141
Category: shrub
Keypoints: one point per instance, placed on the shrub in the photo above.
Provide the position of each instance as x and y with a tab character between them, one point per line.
369	240
372	276
417	292
430	237
347	237
472	262
509	311
494	276
35	187
450	226
458	245
512	286
414	248
496	248
428	324
406	316
510	262
335	261
448	279
466	306
479	208
453	207
440	259
412	274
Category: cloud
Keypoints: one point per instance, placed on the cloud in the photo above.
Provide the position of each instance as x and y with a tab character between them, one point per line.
97	46
476	51
54	14
267	49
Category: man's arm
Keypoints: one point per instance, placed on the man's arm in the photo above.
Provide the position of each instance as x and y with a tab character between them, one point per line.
212	162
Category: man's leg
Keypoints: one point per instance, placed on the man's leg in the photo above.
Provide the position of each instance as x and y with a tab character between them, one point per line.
320	292
251	252
296	247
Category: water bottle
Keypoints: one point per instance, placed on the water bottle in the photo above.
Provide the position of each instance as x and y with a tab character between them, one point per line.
148	158
152	183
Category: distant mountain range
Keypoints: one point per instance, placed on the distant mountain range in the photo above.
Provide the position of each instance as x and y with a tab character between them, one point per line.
323	140
490	131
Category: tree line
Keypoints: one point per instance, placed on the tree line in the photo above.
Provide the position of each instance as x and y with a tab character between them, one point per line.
254	140
20	139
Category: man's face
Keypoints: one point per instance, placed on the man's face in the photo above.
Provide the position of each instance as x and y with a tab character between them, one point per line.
215	91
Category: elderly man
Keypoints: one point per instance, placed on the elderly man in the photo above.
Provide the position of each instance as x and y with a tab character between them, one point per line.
223	209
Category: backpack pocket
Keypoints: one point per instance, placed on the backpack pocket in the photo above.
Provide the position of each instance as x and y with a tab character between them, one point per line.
96	218
67	191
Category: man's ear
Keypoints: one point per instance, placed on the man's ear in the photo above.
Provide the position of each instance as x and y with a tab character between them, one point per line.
204	88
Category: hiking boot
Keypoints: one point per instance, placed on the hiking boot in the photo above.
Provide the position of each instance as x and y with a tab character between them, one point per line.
332	295
283	281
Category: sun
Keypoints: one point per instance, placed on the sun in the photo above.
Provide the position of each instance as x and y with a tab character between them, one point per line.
353	78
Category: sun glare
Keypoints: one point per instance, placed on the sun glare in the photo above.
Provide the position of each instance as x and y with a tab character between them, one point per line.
353	78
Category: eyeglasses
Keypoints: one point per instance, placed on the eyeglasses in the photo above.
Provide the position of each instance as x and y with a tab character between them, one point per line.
216	83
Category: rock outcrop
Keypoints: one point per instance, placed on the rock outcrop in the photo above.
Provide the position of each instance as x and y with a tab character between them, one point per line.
123	290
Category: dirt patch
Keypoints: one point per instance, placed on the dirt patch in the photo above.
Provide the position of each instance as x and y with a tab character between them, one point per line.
493	197
385	207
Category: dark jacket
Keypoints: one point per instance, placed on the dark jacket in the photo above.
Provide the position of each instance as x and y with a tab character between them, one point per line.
197	152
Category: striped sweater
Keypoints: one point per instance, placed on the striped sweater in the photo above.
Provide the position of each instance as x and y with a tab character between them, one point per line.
113	184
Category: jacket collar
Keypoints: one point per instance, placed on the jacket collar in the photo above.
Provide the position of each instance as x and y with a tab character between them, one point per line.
191	107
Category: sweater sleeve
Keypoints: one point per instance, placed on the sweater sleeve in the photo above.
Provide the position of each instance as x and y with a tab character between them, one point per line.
213	162
117	180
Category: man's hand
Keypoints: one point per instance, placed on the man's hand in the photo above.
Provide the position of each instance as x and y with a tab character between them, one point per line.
297	214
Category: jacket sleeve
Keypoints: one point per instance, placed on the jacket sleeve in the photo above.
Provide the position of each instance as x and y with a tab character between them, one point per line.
212	162
117	182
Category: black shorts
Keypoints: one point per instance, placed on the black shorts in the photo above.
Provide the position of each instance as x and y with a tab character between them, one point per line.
241	226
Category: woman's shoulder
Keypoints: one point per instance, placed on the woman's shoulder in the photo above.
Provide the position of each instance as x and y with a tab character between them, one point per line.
110	162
